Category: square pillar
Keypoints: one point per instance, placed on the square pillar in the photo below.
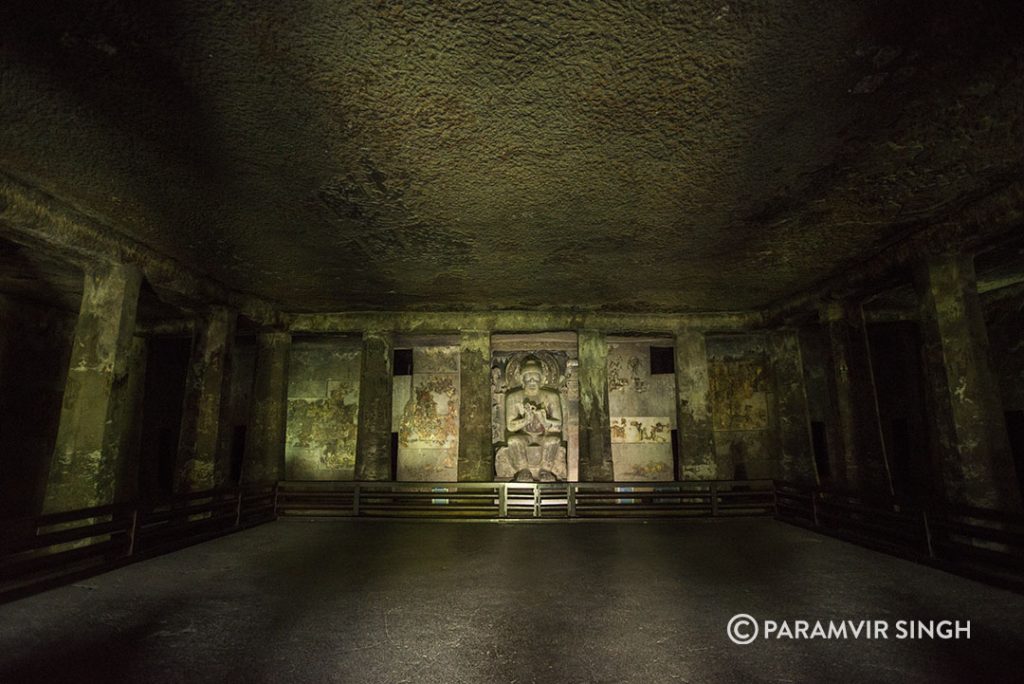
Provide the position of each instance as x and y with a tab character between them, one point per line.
87	458
373	431
263	461
968	422
695	429
864	466
595	463
476	462
202	461
792	415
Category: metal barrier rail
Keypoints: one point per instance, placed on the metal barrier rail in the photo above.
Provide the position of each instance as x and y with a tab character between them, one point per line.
48	550
525	500
979	543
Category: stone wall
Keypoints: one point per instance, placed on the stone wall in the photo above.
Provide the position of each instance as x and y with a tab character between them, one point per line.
741	399
35	347
641	407
323	408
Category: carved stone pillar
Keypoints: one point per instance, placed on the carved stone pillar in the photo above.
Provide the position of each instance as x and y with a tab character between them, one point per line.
864	465
90	439
373	432
202	460
476	462
696	435
595	424
792	418
263	461
968	421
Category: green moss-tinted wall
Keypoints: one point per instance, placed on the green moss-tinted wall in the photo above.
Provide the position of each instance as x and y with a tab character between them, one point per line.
323	408
741	390
35	346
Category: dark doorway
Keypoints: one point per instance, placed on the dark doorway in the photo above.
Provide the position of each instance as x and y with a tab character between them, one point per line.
167	453
394	455
819	439
166	369
900	454
237	453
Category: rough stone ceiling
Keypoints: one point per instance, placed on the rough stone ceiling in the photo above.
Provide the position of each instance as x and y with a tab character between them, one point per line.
617	155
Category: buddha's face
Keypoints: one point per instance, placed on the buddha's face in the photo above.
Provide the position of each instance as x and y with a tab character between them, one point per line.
531	381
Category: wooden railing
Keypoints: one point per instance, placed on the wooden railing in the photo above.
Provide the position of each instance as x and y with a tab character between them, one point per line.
37	553
515	500
979	543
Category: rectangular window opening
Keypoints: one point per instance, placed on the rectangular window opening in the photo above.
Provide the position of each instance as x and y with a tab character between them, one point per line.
662	360
403	362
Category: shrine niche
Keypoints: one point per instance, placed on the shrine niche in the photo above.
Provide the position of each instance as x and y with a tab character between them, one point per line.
535	398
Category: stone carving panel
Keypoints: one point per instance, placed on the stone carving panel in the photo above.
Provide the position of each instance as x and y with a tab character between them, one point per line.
534	400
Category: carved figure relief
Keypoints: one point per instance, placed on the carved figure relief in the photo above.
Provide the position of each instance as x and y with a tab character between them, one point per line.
530	409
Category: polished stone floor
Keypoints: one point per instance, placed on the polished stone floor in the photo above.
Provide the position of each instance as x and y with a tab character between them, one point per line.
366	601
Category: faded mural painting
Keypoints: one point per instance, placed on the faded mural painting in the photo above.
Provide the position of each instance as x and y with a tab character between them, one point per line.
641	407
741	396
427	416
323	409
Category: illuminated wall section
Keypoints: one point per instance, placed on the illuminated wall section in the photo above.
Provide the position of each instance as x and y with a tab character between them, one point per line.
425	414
641	406
323	408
